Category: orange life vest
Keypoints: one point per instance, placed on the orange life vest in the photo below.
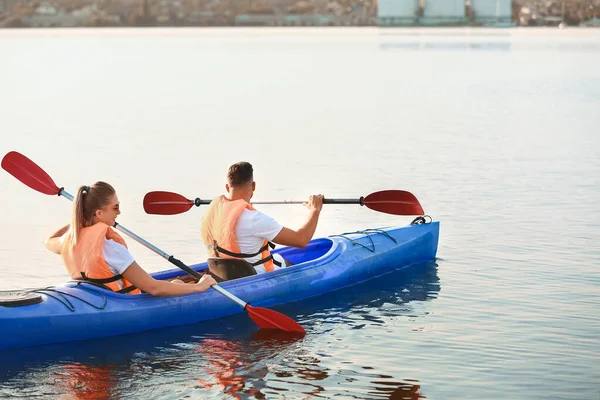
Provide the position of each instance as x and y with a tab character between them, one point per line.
218	232
84	261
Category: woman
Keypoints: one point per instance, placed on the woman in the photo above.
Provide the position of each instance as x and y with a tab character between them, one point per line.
93	251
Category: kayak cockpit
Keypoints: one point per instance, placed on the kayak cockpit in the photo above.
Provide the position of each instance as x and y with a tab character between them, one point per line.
316	249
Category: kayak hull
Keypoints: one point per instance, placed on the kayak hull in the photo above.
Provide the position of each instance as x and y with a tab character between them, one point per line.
79	311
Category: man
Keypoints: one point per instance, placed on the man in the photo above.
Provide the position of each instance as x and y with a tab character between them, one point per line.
231	227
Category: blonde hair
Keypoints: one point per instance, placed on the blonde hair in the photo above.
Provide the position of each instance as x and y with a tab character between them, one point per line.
88	200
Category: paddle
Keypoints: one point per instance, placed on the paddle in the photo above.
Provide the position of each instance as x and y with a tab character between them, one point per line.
36	178
397	202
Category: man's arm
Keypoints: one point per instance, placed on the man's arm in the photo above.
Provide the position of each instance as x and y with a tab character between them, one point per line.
302	236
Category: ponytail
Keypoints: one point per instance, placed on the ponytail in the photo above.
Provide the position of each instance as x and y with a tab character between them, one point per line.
88	200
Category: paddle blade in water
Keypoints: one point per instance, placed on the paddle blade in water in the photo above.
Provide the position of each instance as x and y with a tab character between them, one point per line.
269	319
397	202
29	173
166	203
276	336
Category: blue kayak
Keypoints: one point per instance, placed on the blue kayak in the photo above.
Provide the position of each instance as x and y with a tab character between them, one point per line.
80	311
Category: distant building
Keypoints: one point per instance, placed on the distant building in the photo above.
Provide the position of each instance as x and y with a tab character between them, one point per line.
421	12
398	12
594	22
443	12
491	11
47	15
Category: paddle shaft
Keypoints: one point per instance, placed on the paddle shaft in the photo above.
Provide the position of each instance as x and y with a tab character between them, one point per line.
325	201
165	255
199	202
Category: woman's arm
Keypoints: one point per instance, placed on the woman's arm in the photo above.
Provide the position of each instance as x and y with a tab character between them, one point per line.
141	279
53	242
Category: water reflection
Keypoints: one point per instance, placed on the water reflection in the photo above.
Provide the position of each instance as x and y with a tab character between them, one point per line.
231	358
460	46
489	46
408	390
227	369
83	381
373	301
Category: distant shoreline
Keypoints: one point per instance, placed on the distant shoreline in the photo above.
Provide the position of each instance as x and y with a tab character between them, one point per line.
307	27
287	13
585	24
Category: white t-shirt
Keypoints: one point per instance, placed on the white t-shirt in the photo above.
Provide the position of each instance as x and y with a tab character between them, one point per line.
252	228
116	256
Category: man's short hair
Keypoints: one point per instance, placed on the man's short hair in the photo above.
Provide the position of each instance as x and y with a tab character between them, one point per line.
240	173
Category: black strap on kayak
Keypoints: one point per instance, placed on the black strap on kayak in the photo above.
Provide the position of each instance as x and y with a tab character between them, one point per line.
367	233
381	231
421	220
62	297
355	243
271	245
96	284
102	281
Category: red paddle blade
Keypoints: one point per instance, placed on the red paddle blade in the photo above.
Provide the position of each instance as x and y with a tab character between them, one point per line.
269	319
29	173
397	202
166	203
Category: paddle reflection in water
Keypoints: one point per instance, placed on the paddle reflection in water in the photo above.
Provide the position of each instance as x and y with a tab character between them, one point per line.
234	360
84	381
233	368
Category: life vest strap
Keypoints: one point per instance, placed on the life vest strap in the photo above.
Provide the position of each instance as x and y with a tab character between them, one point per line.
127	289
267	259
218	249
108	280
103	280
